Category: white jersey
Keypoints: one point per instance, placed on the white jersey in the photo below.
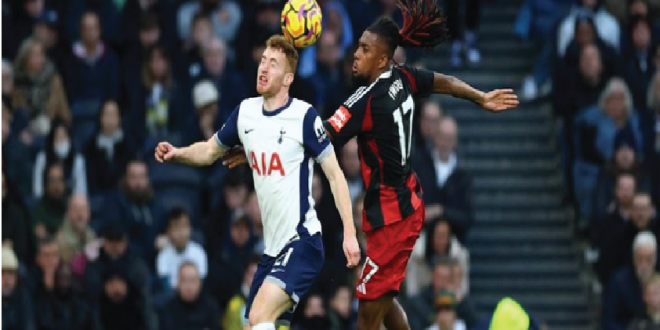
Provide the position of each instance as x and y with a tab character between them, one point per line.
280	146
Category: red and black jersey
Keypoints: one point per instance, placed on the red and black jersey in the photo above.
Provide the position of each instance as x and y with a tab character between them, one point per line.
381	116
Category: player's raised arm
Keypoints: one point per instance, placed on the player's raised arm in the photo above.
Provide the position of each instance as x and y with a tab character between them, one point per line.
494	101
202	153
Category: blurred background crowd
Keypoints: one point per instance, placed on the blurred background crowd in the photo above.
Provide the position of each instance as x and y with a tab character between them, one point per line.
96	235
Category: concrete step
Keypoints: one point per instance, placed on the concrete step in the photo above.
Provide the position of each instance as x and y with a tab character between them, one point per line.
527	253
472	130
496	217
529	270
549	302
477	150
519	183
493	64
527	234
540	285
506	166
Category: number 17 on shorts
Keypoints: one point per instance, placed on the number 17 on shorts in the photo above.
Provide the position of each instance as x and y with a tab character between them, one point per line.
368	271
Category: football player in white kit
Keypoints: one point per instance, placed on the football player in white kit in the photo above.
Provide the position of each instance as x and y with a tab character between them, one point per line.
280	136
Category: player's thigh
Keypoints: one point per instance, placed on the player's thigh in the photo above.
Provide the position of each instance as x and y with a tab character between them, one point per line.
371	313
395	318
270	302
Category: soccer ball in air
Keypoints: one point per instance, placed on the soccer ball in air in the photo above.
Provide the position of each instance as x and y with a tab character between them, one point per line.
301	22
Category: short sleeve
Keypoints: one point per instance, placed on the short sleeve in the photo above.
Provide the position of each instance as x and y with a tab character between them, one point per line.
348	121
227	137
421	80
315	141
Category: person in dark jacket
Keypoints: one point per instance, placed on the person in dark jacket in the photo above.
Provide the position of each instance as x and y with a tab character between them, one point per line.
48	214
135	206
62	307
121	305
447	186
190	309
16	222
623	295
17	308
108	153
92	70
649	319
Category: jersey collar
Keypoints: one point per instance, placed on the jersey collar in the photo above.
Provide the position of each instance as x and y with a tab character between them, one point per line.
385	74
276	111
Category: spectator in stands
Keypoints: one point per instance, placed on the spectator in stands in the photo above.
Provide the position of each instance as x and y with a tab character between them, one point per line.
328	68
43	275
158	109
653	135
230	83
205	124
442	243
446	318
229	262
62	306
136	207
21	20
606	25
625	161
135	10
420	309
91	72
108	17
447	189
234	316
116	254
649	319
49	212
17	309
135	56
469	43
122	306
314	315
623	295
108	153
179	250
599	128
17	232
225	15
350	163
638	56
191	309
46	31
619	237
60	148
75	233
202	30
340	310
586	34
619	212
38	88
16	155
429	121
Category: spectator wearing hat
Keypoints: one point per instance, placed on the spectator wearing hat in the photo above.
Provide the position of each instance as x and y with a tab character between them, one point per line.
116	254
122	305
649	319
446	318
17	309
623	295
179	249
191	308
205	99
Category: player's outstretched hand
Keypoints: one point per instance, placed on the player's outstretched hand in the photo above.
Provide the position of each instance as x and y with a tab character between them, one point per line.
234	157
500	100
165	152
351	251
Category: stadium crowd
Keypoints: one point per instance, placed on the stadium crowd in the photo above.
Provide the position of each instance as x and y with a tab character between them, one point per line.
96	235
600	60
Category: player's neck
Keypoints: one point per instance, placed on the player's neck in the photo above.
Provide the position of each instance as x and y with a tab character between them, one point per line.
379	73
274	102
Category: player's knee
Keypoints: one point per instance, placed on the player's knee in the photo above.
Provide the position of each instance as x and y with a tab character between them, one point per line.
259	315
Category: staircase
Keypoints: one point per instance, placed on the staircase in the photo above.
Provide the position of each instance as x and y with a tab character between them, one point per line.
522	244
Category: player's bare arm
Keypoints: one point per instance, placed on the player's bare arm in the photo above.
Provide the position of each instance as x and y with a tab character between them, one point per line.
201	153
342	196
495	101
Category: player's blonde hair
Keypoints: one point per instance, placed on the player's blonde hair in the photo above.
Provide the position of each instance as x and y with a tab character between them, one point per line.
280	43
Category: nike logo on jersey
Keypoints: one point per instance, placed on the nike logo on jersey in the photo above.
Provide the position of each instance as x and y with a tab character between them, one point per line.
249	130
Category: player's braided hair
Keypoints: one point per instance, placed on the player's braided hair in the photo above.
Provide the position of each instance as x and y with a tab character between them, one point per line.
424	26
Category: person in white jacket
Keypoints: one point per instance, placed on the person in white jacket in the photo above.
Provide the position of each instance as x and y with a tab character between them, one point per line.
606	25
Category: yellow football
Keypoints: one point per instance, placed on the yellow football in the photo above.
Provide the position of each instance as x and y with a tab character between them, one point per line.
301	22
